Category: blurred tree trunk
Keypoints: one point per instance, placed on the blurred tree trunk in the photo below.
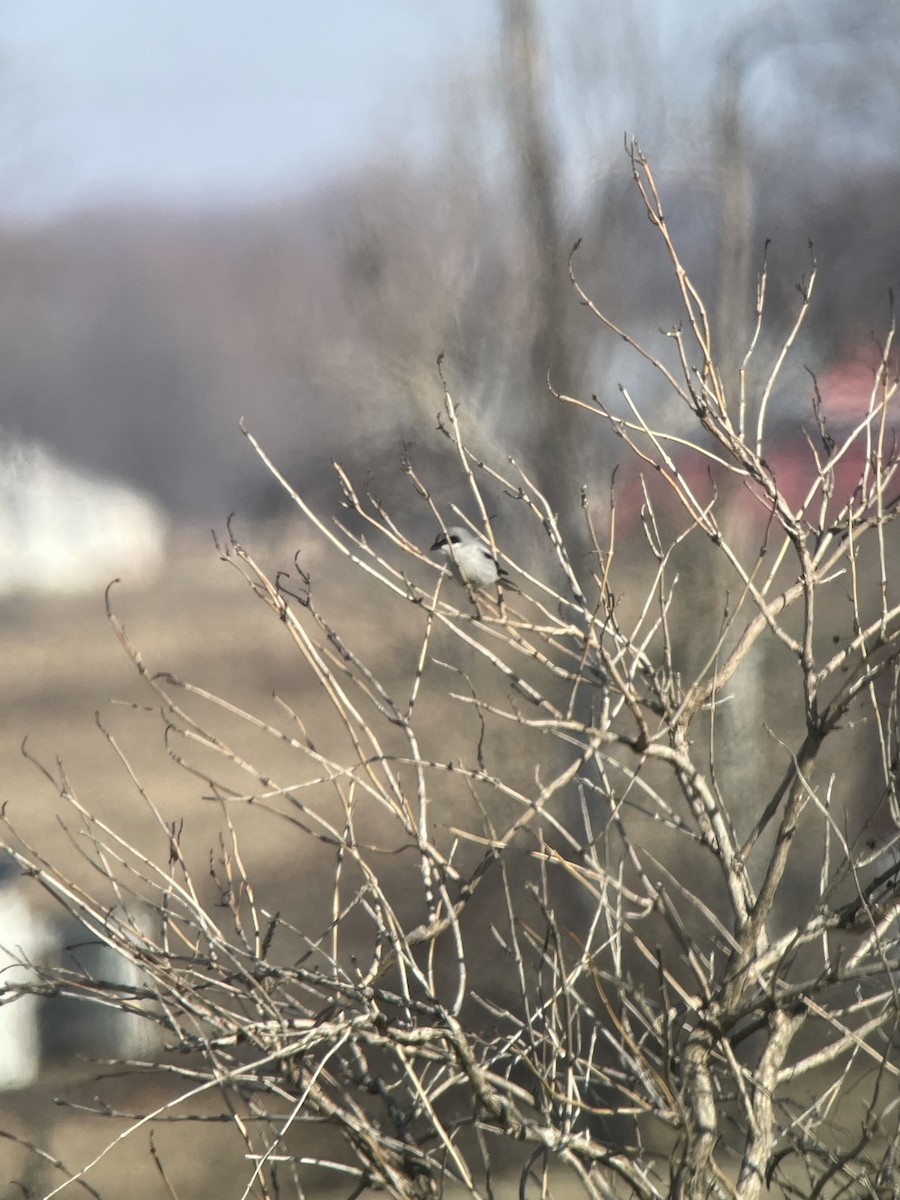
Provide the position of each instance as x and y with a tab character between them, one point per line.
735	292
548	300
732	327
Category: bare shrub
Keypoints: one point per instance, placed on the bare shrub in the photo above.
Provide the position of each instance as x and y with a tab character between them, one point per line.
545	922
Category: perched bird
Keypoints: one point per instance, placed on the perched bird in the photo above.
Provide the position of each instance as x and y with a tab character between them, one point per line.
470	558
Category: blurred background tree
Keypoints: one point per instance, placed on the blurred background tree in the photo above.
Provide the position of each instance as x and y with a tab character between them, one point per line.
135	329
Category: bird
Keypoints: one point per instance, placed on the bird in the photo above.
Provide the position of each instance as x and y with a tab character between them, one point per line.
470	558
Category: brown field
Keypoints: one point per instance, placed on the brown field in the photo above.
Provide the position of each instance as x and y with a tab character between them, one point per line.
201	623
65	669
63	666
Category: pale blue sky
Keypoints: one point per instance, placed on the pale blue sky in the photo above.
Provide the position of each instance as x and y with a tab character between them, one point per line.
184	100
173	99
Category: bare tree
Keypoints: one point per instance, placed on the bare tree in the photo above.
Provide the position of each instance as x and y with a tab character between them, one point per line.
555	942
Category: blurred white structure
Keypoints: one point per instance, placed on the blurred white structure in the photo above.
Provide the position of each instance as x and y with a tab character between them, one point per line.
24	937
70	1027
35	1030
65	531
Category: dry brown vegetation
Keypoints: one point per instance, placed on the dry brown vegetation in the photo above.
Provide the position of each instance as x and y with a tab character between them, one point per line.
594	882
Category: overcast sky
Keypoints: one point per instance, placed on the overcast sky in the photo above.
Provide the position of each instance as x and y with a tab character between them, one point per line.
184	100
176	99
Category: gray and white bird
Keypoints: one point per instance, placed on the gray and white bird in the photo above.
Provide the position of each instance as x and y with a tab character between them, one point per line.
470	558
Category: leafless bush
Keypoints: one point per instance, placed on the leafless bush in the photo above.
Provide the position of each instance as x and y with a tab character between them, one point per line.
567	934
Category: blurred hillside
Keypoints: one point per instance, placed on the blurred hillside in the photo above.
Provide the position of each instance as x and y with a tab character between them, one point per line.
133	341
134	336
